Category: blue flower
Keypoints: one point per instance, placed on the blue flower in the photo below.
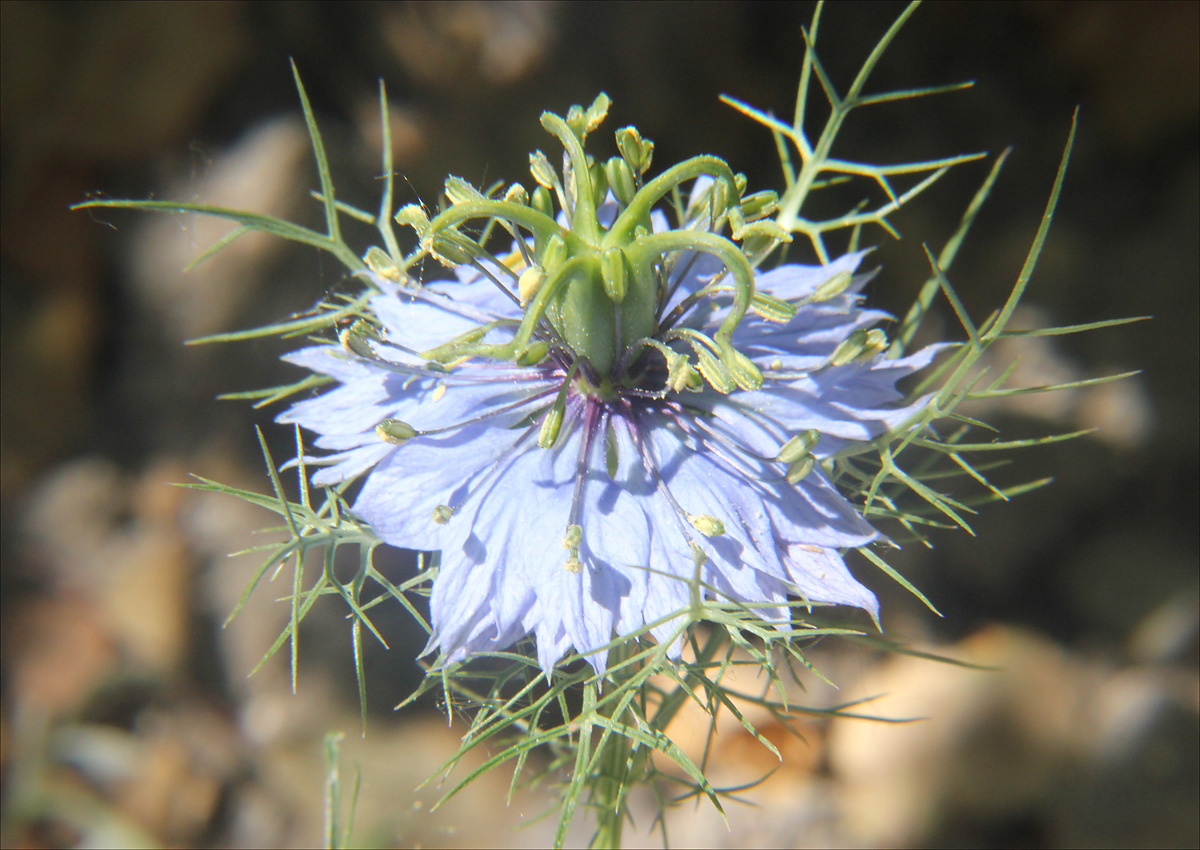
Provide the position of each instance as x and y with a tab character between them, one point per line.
645	480
579	457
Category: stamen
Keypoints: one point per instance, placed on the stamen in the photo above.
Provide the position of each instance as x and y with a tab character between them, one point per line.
831	288
552	423
798	446
534	354
382	264
800	469
572	542
483	270
850	348
573	537
684	306
399	432
706	524
529	283
356	339
443	513
740	273
716	444
682	517
574	534
395	431
680	374
358	343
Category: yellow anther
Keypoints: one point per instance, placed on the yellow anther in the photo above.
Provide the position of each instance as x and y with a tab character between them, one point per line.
707	525
395	431
573	537
529	283
799	470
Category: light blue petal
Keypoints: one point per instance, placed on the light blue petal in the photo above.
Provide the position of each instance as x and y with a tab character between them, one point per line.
821	575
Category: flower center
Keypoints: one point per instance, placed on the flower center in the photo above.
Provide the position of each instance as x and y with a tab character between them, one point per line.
602	280
606	389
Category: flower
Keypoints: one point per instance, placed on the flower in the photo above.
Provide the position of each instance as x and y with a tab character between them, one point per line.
540	420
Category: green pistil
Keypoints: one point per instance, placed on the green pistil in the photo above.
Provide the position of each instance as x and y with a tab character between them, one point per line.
639	208
583	220
537	222
730	255
602	291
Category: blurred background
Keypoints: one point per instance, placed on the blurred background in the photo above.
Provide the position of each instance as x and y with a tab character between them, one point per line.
128	718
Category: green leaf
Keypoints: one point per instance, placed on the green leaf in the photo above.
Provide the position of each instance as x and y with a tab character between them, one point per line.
1001	322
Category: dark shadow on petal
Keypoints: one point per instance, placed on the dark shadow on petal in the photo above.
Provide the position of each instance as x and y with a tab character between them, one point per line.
475	549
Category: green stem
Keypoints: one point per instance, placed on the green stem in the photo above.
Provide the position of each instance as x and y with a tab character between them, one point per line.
611	784
611	780
815	160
